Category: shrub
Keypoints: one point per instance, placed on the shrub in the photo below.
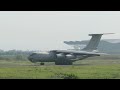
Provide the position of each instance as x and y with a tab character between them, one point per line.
66	76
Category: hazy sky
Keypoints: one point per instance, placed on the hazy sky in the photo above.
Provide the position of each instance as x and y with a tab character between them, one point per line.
46	30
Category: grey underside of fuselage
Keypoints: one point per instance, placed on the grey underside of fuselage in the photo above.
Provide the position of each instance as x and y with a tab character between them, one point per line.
51	58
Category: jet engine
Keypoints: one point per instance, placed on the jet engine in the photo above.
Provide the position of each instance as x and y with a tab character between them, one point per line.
69	56
63	56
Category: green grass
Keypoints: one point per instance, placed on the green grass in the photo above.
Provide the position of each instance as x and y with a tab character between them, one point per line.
111	71
84	69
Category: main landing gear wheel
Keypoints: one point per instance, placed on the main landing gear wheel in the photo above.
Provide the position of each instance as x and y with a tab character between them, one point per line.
63	62
42	63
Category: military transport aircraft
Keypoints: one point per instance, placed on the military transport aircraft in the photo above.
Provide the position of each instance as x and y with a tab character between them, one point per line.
67	57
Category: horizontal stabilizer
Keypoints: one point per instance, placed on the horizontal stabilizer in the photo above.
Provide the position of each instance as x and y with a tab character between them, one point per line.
101	34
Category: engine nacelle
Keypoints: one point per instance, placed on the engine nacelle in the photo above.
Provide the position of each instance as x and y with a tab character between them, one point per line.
69	56
62	56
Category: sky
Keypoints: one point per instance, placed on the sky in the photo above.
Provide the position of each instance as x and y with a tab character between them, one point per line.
46	30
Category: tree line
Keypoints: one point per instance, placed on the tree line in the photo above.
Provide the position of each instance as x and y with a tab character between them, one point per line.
15	54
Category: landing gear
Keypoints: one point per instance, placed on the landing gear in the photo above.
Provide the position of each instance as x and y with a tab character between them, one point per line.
63	62
42	63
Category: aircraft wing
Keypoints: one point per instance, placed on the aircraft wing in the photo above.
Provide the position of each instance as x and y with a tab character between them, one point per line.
77	52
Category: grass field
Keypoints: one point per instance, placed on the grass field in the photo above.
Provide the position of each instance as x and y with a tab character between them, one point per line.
84	69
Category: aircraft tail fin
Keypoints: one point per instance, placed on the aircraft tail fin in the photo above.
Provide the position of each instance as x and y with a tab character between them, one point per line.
94	41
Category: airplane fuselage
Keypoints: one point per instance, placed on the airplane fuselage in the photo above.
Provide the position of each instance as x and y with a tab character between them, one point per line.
53	56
